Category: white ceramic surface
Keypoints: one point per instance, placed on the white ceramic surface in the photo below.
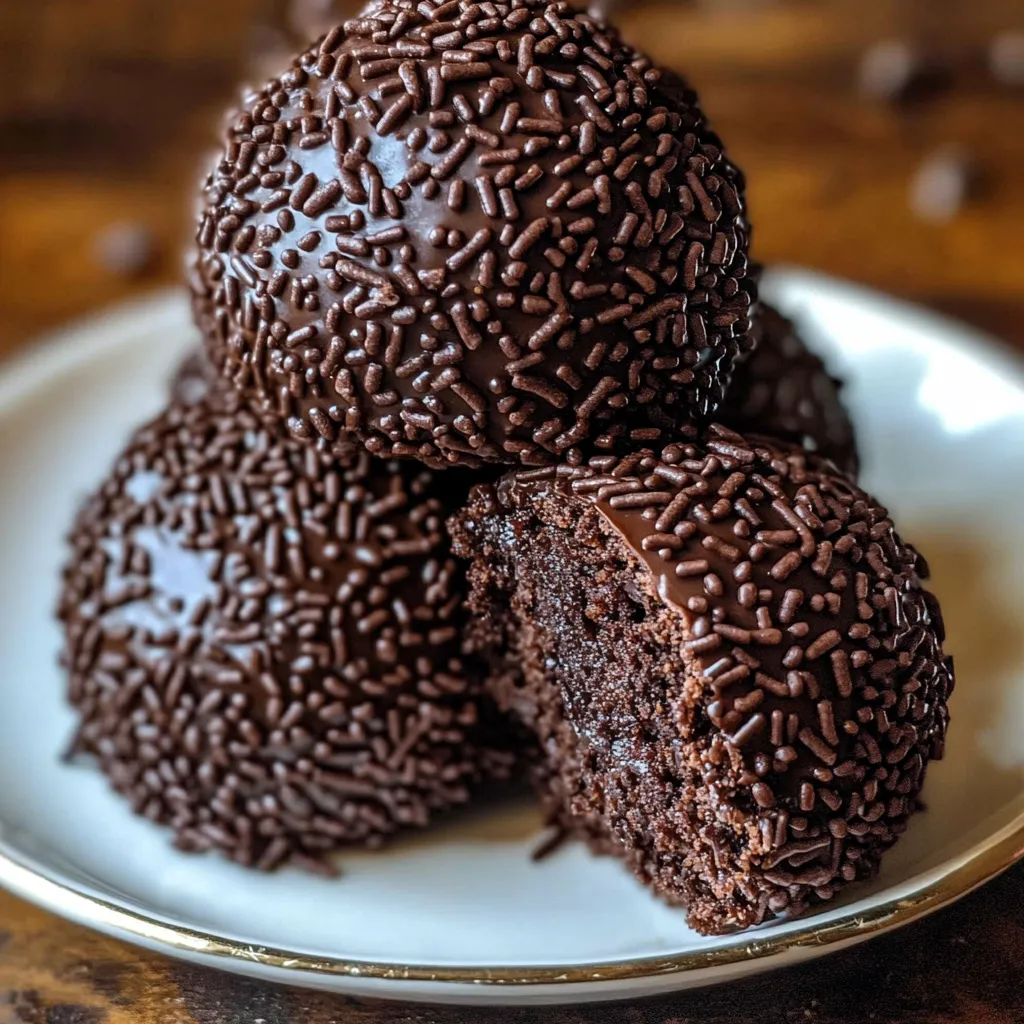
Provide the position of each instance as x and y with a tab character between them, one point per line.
462	914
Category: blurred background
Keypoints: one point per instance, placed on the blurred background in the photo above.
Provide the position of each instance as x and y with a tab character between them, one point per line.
883	139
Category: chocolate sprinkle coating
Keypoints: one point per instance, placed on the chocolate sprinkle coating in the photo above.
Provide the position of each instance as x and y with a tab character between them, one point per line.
264	644
728	657
472	232
784	390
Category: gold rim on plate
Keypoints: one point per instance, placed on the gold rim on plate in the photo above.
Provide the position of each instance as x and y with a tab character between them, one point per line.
925	894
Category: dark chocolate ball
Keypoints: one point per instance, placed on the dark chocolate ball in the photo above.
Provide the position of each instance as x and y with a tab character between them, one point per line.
264	643
729	660
784	390
466	232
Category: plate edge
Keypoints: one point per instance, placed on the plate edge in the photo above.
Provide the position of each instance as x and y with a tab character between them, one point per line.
931	894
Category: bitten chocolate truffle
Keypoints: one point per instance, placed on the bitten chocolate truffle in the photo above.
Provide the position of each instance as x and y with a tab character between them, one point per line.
475	232
728	657
264	644
784	390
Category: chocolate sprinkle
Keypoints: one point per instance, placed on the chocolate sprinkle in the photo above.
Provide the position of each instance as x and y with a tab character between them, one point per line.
755	732
263	643
474	232
785	391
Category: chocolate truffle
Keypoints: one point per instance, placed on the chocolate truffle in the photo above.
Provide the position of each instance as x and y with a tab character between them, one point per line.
264	643
785	391
467	232
728	657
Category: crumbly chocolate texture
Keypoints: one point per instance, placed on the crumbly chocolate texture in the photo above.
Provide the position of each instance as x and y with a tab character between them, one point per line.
475	232
728	658
784	390
264	644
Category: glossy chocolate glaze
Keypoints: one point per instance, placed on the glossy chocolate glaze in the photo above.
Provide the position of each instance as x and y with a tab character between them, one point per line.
264	642
473	233
758	737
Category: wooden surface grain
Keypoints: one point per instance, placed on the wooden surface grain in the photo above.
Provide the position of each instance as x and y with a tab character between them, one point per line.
106	110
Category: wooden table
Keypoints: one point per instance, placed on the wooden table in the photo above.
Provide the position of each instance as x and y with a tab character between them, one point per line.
105	110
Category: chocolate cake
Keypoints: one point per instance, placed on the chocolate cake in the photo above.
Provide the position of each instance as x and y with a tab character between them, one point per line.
263	643
472	233
785	391
728	657
455	239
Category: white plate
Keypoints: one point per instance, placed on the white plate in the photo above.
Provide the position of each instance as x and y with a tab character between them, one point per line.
461	914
